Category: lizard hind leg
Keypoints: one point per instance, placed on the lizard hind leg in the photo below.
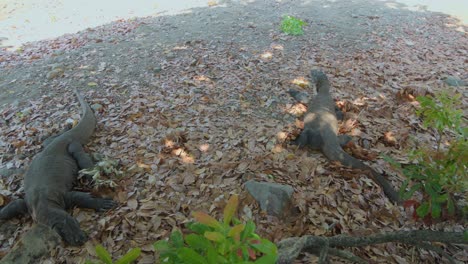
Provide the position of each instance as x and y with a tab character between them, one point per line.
17	207
82	158
66	226
309	138
344	139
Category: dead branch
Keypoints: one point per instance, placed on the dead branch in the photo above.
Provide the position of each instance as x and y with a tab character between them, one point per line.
290	248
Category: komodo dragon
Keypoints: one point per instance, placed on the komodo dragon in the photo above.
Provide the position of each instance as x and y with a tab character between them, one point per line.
49	181
321	128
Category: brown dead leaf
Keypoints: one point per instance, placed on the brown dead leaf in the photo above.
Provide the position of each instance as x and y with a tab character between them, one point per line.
132	203
389	138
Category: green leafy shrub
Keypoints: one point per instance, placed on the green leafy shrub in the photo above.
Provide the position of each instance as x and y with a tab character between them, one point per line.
215	242
105	257
292	26
440	172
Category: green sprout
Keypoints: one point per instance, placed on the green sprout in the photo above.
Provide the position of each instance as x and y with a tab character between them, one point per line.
292	26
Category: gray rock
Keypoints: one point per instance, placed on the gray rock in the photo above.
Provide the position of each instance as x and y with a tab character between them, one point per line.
454	81
273	198
96	107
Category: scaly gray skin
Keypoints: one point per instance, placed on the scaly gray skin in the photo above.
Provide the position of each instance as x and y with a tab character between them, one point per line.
49	180
321	129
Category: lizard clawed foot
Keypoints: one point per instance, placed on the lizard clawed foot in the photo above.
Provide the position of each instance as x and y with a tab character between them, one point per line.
104	204
69	229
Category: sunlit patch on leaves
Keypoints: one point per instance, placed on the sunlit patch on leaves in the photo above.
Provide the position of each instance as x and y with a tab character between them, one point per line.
301	82
297	110
201	78
204	147
266	55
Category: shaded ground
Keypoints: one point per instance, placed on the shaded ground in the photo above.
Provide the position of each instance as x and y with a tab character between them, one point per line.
213	82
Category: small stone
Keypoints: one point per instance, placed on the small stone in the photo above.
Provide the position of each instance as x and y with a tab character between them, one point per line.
55	66
454	81
55	73
96	107
170	55
102	66
273	198
157	69
409	42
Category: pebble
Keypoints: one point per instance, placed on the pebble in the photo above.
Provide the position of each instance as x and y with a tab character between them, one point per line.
58	72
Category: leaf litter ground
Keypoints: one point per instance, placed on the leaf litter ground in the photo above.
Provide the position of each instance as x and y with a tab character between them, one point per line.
190	123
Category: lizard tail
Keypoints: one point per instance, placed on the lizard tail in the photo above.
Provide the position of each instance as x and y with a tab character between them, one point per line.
85	128
333	151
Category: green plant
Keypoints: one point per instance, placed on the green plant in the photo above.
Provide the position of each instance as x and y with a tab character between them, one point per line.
215	242
105	257
441	113
292	26
103	171
438	173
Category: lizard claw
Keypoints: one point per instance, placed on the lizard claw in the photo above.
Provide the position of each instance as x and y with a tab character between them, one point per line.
105	204
69	229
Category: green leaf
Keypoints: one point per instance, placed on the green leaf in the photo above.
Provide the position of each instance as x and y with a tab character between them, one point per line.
199	228
429	188
266	247
198	242
423	210
215	236
248	230
236	231
230	209
188	255
436	210
411	191
176	239
213	257
267	259
207	220
161	245
131	256
103	254
244	253
450	206
441	198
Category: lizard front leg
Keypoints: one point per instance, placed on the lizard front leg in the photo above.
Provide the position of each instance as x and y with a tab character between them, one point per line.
85	200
